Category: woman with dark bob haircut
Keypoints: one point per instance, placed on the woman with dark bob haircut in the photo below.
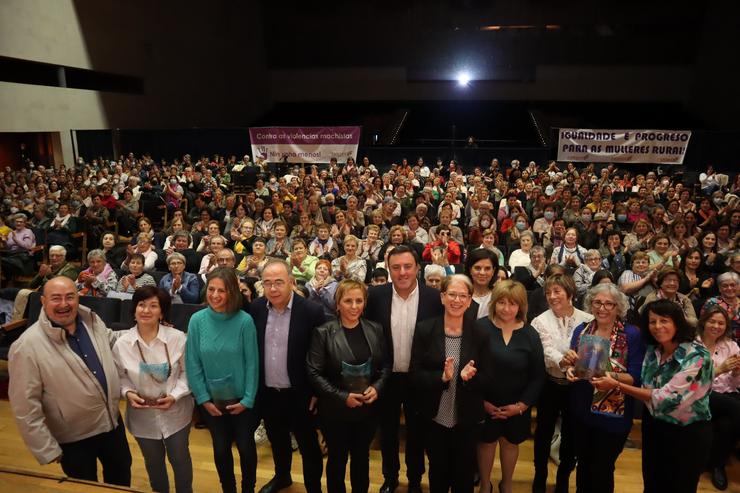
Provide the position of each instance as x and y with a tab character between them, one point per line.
223	371
676	383
150	358
715	332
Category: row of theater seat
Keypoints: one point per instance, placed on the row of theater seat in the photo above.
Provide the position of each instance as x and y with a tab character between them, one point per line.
117	314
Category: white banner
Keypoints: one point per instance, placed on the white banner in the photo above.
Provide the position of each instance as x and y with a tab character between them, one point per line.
623	146
305	144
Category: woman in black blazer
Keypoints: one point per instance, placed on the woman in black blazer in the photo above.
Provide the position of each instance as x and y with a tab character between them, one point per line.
448	372
347	366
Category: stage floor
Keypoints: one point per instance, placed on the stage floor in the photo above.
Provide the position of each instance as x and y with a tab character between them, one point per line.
13	454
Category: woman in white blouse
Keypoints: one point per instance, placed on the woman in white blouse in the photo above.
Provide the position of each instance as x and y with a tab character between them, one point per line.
350	265
520	256
151	365
555	328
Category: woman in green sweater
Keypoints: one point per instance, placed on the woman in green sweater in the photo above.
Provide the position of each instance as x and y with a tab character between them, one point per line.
222	363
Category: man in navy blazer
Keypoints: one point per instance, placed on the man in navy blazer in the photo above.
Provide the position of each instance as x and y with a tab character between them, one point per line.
285	323
398	307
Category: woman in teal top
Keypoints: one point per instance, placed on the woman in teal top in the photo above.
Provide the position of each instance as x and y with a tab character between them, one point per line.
222	363
677	378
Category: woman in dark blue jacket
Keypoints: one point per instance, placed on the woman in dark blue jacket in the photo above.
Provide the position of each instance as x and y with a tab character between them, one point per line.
602	418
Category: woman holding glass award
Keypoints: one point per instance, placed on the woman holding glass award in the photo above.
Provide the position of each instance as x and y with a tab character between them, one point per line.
347	366
222	362
602	419
159	408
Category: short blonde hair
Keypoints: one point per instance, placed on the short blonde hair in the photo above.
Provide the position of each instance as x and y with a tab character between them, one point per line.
513	291
395	228
351	239
348	285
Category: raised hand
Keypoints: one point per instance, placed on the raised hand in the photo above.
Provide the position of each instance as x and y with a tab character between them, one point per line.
448	370
468	371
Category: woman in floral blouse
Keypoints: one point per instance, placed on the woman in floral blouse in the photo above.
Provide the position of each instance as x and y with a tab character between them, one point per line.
676	382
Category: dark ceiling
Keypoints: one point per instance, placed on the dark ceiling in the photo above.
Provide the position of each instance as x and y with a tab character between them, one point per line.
434	39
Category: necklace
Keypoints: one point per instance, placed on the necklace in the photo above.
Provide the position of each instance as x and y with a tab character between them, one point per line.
169	364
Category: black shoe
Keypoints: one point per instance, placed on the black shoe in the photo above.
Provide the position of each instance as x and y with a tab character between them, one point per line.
719	478
414	488
562	481
389	486
276	484
539	484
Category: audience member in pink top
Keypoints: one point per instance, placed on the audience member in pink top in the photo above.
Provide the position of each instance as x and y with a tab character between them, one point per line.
724	401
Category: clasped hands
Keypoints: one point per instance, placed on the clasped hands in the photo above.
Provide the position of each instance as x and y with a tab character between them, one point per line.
138	402
504	412
369	396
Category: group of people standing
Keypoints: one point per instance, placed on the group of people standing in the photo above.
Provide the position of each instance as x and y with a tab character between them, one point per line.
466	384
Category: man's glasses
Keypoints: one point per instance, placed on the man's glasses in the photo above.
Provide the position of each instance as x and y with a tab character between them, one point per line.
277	284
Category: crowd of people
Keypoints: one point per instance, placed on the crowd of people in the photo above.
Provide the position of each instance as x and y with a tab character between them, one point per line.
335	298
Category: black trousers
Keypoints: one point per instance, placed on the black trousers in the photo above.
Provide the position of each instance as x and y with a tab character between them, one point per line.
226	430
346	439
452	459
554	403
673	456
79	459
398	395
286	411
597	452
726	425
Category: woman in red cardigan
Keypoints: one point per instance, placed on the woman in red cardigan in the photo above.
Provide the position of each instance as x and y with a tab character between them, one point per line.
454	254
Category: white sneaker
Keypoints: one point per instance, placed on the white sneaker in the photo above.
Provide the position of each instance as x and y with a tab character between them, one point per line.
293	443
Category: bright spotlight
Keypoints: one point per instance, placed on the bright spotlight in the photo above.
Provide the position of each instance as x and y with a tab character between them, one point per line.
463	78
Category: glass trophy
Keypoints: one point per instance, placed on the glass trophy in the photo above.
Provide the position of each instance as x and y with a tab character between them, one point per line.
223	392
152	382
356	378
593	357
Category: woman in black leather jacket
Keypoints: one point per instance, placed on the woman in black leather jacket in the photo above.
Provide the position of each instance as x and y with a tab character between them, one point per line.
347	365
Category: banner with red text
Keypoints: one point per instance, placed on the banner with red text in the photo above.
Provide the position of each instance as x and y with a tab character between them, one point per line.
305	144
623	146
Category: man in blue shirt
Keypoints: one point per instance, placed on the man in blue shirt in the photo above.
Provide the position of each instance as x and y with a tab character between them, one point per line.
64	389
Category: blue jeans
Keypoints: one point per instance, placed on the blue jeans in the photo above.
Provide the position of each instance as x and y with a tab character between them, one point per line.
178	453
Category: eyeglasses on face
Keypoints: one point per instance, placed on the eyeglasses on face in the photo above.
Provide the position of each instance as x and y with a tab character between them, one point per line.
270	284
457	296
607	305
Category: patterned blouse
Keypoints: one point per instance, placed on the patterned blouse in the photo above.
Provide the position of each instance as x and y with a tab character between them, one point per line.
681	385
726	382
734	314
